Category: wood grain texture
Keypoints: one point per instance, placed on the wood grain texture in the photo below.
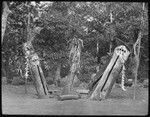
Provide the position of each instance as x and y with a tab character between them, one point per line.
109	76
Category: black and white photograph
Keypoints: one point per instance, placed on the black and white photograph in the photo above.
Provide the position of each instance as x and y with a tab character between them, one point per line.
74	58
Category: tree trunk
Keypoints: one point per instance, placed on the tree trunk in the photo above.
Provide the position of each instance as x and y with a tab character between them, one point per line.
3	69
137	53
110	46
57	76
108	78
5	14
3	72
135	73
137	61
9	75
111	37
97	48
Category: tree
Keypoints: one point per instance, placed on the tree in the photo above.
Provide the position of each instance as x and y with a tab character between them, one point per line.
54	24
32	59
52	41
136	48
20	23
5	14
10	45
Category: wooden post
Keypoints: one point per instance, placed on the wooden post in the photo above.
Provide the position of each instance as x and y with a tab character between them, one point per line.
109	76
40	82
68	92
92	85
28	40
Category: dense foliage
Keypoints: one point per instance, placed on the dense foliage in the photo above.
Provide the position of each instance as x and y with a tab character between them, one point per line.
56	23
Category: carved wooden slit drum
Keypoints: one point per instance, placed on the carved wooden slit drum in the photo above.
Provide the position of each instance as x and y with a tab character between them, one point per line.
109	76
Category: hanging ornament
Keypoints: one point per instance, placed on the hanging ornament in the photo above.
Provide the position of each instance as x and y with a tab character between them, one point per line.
123	78
123	54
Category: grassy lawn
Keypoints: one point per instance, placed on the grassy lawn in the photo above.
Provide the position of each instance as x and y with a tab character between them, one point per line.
15	101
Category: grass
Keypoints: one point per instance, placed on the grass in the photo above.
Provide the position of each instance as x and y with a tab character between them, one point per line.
15	101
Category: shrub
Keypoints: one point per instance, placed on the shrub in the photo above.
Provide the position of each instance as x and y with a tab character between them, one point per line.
18	81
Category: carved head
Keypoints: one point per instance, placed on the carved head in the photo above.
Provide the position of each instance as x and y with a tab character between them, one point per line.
122	52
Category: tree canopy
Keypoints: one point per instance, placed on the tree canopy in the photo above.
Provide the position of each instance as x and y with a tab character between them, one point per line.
54	24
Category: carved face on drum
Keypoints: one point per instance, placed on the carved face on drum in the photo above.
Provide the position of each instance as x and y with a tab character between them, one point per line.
122	52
